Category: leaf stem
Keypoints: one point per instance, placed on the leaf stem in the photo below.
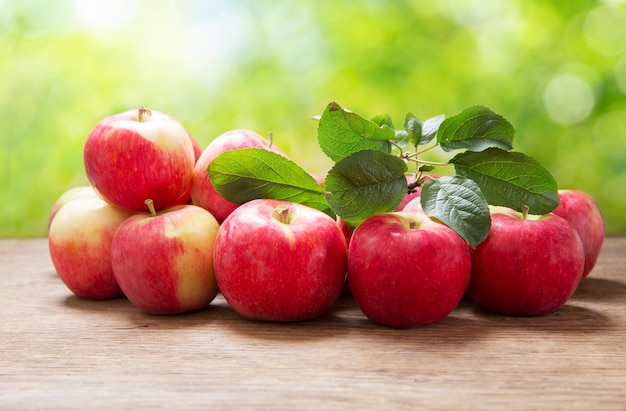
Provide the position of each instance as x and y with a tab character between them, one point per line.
427	149
417	181
432	163
396	145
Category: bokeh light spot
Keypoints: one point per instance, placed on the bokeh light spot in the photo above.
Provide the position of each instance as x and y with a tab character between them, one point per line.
568	99
105	15
620	74
604	30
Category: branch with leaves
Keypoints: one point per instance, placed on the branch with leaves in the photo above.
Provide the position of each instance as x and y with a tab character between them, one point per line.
372	161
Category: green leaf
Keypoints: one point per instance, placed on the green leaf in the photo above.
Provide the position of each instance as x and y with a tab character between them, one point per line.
401	138
426	168
413	127
383	120
475	128
510	179
364	184
341	133
458	203
430	127
250	173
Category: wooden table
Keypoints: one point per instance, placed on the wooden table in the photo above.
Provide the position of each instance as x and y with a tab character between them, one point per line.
62	352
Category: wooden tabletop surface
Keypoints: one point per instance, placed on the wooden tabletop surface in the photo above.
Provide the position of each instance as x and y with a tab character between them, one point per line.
59	352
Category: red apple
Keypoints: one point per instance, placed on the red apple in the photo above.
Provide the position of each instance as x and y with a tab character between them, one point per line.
140	154
416	193
202	192
69	195
414	205
527	265
582	211
406	270
408	198
164	261
280	261
79	241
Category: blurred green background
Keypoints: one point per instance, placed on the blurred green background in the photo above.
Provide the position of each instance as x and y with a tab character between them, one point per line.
555	69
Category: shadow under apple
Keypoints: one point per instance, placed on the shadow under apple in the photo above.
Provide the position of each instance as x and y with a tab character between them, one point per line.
126	316
570	318
600	289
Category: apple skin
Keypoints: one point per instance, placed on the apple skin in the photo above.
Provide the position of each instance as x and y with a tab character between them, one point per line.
202	192
131	114
526	267
408	198
582	211
164	262
138	154
280	261
406	270
414	205
197	151
69	195
197	148
418	190
79	242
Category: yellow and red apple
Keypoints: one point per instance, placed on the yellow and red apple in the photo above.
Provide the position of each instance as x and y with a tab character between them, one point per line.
79	241
163	261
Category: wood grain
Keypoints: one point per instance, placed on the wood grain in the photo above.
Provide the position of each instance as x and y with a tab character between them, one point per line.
62	352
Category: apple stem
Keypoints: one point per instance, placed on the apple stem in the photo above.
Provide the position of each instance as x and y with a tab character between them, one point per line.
143	113
270	137
525	211
150	205
282	214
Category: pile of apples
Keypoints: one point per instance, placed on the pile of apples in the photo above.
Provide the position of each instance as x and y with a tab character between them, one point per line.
152	227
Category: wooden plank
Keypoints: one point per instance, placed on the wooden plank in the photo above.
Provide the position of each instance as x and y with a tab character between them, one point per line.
62	352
